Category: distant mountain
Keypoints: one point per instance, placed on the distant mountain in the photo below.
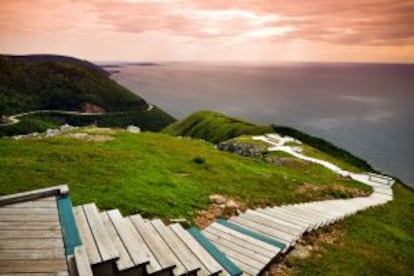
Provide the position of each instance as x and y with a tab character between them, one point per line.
44	58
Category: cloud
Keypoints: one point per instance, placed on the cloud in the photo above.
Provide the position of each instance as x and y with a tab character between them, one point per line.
319	29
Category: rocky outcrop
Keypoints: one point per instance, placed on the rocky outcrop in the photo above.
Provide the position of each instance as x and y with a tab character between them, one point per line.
244	149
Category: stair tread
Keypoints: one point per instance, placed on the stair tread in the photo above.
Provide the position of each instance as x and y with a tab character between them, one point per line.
105	246
220	257
251	246
86	236
264	229
82	263
212	266
187	258
125	261
220	240
162	253
132	241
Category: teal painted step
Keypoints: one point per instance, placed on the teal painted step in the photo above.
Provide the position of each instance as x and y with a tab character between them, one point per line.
70	232
228	265
251	233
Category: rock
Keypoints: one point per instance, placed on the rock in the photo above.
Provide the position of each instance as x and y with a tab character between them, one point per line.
133	129
248	150
51	132
66	127
300	252
217	199
232	204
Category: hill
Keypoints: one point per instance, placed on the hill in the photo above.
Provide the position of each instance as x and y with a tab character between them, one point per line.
47	58
214	127
61	83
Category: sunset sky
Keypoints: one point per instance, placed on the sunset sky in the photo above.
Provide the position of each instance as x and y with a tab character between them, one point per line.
211	30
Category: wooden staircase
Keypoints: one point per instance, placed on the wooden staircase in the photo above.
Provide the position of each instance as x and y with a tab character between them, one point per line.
244	244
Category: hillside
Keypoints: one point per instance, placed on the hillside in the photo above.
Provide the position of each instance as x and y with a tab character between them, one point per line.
168	177
63	83
214	127
47	58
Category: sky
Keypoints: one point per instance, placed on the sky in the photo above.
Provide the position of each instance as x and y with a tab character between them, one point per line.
211	30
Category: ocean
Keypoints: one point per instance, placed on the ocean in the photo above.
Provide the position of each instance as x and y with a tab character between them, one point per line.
367	109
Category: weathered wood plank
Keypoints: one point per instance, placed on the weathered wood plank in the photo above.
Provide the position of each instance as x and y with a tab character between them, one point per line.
29	266
155	243
133	241
29	217
176	245
265	230
61	190
257	260
125	261
28	211
245	263
248	245
29	225
32	254
31	244
105	246
82	262
29	234
34	204
203	256
265	247
86	236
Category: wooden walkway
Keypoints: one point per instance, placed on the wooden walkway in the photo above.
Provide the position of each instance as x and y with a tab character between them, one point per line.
41	233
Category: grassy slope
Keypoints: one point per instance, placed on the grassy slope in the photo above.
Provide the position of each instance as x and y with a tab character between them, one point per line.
153	173
214	127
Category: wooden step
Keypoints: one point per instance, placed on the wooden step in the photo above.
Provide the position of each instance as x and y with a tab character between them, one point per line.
164	259
311	222
285	217
251	252
227	264
294	232
264	230
83	267
311	212
129	244
212	267
177	246
295	228
100	249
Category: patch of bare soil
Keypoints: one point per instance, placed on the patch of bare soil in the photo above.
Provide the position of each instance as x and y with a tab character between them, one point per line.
91	108
88	137
221	207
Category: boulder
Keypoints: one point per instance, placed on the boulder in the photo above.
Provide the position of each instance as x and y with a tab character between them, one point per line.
133	129
217	199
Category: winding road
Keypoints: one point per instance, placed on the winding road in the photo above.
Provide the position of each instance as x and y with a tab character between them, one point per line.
14	119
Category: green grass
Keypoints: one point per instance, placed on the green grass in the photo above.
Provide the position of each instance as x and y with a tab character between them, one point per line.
214	127
379	241
156	174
